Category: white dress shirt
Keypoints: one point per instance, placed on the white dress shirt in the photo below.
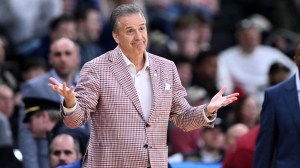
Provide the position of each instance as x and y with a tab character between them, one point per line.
142	84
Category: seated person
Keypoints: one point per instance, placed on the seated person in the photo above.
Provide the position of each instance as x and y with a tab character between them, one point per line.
64	149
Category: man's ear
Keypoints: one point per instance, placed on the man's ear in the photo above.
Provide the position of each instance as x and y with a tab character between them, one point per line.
116	37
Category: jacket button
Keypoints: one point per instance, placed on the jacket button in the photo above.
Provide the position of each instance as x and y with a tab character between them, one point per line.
147	125
146	146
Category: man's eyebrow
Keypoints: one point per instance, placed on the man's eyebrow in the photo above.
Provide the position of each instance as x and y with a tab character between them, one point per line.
128	27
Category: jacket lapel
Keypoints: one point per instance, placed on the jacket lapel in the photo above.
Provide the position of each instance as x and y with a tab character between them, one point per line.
121	72
291	98
154	75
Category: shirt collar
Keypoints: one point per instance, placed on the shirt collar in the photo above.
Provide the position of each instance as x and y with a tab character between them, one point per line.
128	62
297	80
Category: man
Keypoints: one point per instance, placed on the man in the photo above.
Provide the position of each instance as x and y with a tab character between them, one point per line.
64	58
241	153
44	122
278	140
64	149
41	115
130	96
245	66
89	28
63	26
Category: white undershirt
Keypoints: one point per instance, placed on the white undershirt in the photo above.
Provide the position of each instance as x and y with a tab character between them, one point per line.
143	86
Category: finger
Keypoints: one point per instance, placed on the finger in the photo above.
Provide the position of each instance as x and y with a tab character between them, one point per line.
229	101
63	87
71	89
53	80
55	88
232	95
222	91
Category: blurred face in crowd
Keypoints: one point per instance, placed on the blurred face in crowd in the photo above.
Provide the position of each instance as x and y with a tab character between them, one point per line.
250	111
6	100
207	69
249	39
213	138
38	125
64	57
33	72
65	30
234	132
2	51
131	34
63	151
188	41
185	73
68	6
93	25
297	56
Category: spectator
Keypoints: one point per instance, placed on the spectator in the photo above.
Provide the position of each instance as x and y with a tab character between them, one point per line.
7	139
246	65
6	75
277	144
191	34
247	111
211	147
24	22
44	122
241	153
32	67
233	133
89	28
64	149
64	58
278	73
63	26
205	72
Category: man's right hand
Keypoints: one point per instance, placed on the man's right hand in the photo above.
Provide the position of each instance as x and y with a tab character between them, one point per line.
62	89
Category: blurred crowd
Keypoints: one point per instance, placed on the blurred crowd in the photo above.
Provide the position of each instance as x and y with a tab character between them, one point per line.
247	45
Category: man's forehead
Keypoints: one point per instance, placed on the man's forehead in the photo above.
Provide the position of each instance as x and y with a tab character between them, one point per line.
127	19
63	47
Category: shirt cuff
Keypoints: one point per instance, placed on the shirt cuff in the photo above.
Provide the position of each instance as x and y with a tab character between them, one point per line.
209	119
68	111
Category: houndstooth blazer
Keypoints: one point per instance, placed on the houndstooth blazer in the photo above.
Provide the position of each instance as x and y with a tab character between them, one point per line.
120	137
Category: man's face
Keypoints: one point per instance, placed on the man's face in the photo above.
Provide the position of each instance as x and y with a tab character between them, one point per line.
249	39
131	34
297	56
36	125
64	57
6	101
63	151
65	29
2	51
93	25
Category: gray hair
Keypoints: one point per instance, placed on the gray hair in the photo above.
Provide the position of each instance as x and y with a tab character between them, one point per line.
123	10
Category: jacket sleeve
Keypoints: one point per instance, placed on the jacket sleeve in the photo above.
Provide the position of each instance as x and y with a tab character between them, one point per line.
87	94
183	115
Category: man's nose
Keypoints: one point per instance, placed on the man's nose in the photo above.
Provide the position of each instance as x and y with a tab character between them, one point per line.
138	35
62	157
